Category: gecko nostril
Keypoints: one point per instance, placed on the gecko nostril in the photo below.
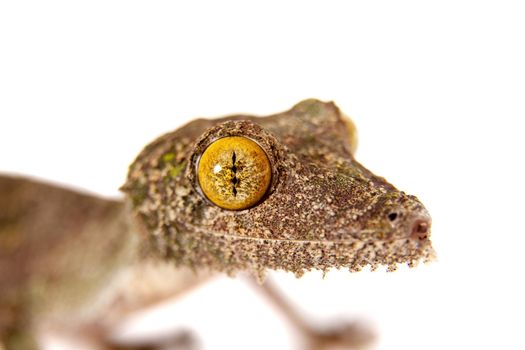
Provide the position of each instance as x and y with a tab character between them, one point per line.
420	229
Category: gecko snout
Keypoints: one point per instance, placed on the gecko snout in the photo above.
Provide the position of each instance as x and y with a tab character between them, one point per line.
420	228
410	220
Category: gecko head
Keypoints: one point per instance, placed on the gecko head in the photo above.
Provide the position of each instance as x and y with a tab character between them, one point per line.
280	192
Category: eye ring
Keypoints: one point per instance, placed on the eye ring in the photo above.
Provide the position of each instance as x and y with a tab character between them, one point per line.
234	172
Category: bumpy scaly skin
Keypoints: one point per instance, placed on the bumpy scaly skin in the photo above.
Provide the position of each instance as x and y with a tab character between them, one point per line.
323	209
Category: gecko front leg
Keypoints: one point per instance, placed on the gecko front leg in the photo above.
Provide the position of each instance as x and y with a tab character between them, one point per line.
348	335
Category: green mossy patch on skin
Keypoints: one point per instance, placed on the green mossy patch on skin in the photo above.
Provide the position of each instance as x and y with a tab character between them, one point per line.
168	157
172	165
175	170
138	193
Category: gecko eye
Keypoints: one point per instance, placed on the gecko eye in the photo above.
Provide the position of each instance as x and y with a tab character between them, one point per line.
234	172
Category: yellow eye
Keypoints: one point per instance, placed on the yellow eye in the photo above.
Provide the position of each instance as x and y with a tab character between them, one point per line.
234	173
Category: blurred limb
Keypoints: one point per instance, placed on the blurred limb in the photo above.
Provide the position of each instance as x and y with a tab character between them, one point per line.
180	340
163	283
75	264
89	339
103	331
343	335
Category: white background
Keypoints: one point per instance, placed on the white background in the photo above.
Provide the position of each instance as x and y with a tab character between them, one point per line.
436	89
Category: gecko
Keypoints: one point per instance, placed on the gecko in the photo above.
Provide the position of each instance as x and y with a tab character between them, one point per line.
238	194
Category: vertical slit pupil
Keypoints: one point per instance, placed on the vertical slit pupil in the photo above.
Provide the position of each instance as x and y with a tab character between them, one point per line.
234	169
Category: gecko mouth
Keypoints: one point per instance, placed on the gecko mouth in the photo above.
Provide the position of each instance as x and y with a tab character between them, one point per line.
232	253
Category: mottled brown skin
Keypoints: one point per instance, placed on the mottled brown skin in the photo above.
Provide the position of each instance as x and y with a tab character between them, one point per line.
323	209
58	250
74	261
75	264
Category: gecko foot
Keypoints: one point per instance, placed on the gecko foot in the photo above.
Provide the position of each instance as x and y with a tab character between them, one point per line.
183	340
347	335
